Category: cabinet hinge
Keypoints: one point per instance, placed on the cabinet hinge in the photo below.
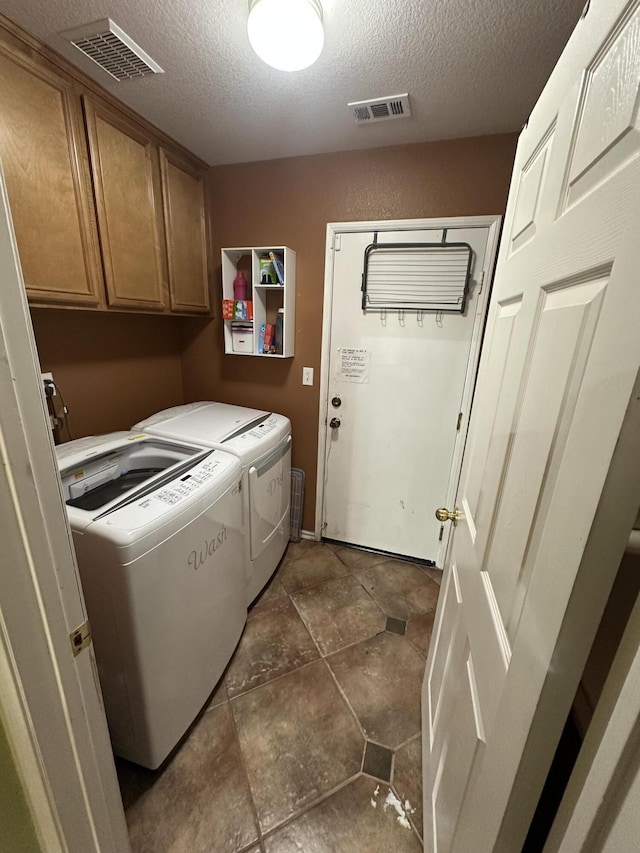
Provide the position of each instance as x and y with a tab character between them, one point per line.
441	533
481	281
459	422
337	242
80	638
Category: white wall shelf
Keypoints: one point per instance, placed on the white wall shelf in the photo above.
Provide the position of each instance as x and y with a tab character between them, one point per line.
266	298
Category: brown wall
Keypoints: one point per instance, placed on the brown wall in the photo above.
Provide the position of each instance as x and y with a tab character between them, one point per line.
112	369
289	202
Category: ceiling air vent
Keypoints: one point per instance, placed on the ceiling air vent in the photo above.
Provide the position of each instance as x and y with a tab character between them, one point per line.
112	49
381	109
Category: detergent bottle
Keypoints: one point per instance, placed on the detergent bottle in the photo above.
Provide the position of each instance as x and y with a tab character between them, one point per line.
239	287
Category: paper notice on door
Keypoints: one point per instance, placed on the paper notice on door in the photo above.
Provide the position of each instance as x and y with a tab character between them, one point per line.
353	365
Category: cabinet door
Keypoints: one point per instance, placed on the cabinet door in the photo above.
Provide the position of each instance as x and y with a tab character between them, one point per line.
183	195
126	178
44	160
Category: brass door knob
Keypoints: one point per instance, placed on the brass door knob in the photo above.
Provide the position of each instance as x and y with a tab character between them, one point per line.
444	514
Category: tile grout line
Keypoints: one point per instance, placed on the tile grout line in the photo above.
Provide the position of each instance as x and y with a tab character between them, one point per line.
325	796
374	599
257	686
325	655
347	702
413	646
345	699
352	645
394	786
246	779
315	585
276	678
352	573
386	558
311	805
308	629
407	815
407	741
364	752
371	596
294	817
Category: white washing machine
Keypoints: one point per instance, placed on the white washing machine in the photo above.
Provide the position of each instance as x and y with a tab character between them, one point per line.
158	532
262	441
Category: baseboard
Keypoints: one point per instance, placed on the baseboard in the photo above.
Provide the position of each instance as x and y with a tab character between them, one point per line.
307	534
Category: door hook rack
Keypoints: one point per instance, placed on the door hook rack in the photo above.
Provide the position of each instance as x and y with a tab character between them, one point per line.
416	277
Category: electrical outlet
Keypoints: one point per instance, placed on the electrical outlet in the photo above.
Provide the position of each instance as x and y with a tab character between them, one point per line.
49	376
307	375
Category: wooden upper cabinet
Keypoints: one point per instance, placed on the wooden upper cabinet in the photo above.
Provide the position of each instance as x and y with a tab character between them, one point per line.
126	178
44	160
183	195
104	216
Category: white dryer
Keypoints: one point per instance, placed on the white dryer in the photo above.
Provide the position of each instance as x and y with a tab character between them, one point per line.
262	441
158	532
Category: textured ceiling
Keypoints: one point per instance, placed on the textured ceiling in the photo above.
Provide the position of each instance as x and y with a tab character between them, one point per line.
472	67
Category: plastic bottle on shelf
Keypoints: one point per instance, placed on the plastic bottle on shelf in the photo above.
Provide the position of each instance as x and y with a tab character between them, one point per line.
279	324
239	287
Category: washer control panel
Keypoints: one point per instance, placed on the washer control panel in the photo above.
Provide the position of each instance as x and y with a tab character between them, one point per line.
215	471
275	427
191	482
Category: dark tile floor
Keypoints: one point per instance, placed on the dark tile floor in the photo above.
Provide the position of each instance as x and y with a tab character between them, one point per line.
311	742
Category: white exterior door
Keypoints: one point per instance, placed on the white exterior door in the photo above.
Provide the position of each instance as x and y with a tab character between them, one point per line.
550	481
396	385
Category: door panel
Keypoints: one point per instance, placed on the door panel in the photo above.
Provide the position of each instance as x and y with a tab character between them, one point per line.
550	484
559	345
489	443
126	177
534	175
393	452
269	496
465	740
607	134
49	186
185	217
445	657
457	728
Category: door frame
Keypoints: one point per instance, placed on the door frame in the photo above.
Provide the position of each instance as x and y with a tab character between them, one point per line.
600	803
494	224
50	701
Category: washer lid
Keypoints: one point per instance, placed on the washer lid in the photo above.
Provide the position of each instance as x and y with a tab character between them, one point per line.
104	472
83	448
203	422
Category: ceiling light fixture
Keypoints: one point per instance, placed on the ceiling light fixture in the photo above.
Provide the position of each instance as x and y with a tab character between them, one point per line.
286	34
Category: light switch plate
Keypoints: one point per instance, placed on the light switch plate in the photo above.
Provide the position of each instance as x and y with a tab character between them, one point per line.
307	375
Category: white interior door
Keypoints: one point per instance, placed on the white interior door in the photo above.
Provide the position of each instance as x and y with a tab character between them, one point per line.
50	701
396	383
550	483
